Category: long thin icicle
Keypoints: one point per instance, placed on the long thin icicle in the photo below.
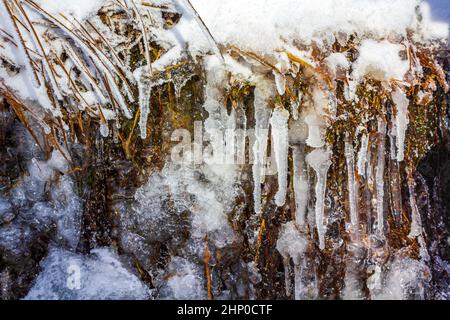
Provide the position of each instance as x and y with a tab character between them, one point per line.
279	125
395	190
263	92
241	132
362	155
144	102
401	121
301	186
144	86
416	223
379	178
319	160
352	184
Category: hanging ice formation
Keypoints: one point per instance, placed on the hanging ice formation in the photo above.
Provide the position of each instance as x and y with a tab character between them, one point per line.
328	97
279	125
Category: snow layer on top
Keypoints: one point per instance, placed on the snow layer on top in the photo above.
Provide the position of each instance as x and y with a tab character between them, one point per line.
266	25
79	9
380	60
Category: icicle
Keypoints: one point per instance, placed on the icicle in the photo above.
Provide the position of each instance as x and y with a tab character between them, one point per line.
352	184
416	223
263	92
396	194
369	167
392	147
416	230
362	155
230	139
144	103
301	186
295	104
241	131
259	150
291	244
279	74
355	266
279	124
104	129
401	121
31	79
305	280
219	126
315	130
298	282
215	121
280	81
374	282
287	276
319	160
379	178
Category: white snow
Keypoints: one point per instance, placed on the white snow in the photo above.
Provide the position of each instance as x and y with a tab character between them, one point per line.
26	83
380	60
79	9
351	183
307	21
101	275
336	63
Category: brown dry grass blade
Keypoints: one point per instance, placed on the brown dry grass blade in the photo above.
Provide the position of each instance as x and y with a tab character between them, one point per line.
206	259
259	240
22	41
19	109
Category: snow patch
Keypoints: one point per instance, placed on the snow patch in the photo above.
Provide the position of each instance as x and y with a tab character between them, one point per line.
100	276
79	9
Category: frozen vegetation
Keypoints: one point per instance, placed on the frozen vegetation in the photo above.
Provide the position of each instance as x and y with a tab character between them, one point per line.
301	129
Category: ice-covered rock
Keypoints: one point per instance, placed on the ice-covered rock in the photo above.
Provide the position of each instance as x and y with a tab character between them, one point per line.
100	275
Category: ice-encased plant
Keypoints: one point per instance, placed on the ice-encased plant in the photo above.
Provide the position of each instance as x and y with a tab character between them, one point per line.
346	97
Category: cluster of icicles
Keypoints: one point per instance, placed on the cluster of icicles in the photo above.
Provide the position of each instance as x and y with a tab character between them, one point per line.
301	131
